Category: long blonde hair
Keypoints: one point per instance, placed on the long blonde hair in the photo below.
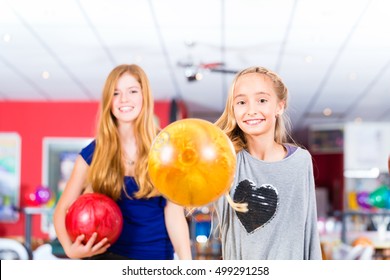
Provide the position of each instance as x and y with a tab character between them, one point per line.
107	170
228	123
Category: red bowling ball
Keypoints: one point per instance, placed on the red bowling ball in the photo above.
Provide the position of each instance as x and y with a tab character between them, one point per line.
94	212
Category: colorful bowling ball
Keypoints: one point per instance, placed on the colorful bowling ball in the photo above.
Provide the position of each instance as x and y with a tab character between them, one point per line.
380	197
30	199
353	201
192	162
42	194
363	241
363	200
94	212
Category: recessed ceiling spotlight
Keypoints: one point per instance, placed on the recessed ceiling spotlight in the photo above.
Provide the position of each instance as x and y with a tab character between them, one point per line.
137	58
352	76
7	37
49	12
309	59
327	112
189	43
45	75
199	76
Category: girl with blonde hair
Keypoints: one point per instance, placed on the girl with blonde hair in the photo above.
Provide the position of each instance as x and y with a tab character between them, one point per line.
115	164
270	211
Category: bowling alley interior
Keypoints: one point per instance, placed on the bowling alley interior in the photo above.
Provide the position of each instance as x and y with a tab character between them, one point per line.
332	56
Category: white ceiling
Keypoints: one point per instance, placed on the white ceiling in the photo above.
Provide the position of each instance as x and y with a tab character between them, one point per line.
331	54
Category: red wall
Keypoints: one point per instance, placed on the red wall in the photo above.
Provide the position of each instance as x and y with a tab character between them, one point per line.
35	120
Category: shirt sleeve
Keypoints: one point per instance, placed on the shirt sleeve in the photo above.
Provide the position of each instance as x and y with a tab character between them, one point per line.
312	239
87	152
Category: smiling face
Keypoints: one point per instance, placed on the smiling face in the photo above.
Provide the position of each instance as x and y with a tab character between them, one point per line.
127	99
256	104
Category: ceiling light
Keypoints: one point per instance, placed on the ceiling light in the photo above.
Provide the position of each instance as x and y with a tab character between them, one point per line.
199	76
189	43
137	59
309	59
352	76
45	75
358	120
327	112
192	74
195	77
7	38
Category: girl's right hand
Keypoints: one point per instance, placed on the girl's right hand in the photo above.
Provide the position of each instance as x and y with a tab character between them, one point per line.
79	251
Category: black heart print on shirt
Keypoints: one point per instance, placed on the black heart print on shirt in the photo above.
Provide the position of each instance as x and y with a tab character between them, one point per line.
262	204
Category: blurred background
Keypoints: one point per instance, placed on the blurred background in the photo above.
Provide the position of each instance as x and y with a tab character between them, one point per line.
333	56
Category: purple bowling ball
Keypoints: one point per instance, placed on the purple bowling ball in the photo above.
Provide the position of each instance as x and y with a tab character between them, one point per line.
363	200
42	194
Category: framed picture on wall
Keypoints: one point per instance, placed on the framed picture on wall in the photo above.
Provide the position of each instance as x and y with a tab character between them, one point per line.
59	155
10	153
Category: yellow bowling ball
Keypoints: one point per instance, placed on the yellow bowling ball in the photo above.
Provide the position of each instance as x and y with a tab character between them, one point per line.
192	162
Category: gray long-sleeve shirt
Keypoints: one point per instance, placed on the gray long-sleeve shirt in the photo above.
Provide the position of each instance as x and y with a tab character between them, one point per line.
281	223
